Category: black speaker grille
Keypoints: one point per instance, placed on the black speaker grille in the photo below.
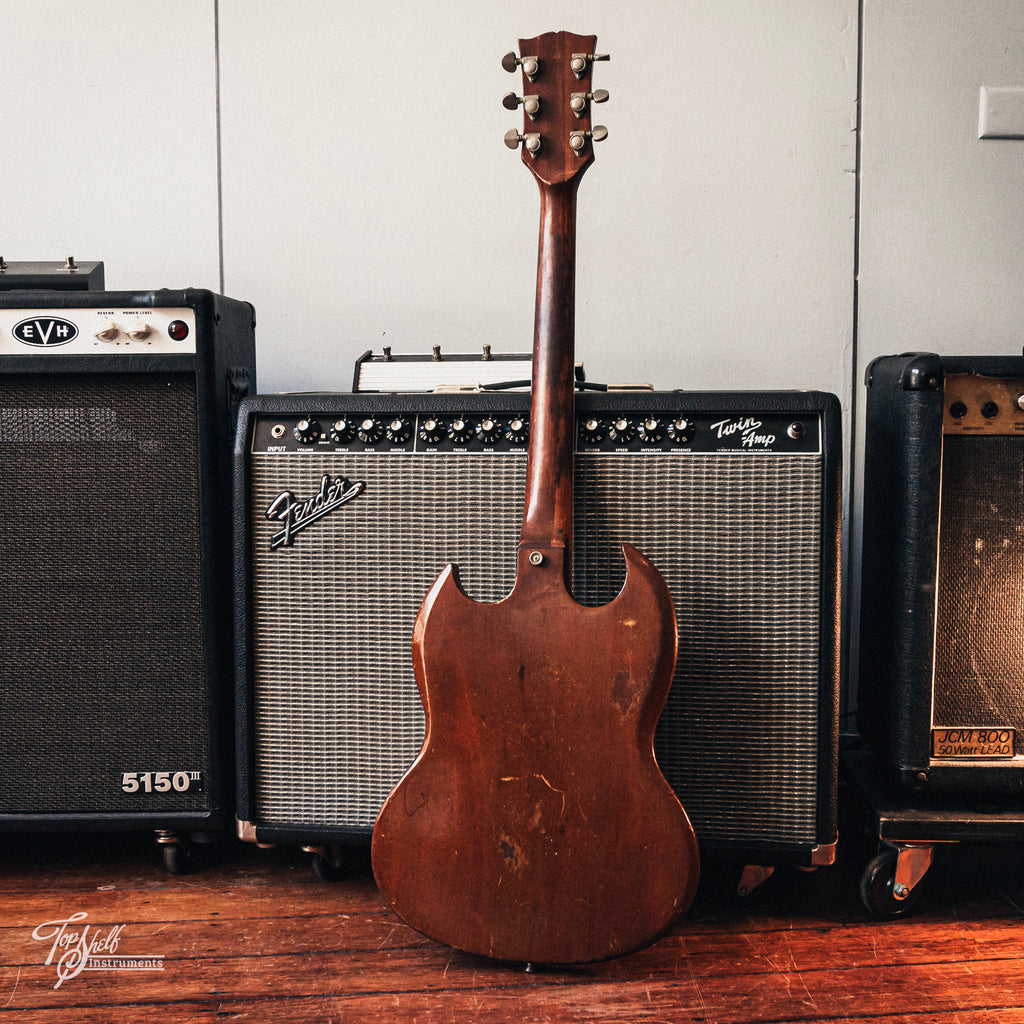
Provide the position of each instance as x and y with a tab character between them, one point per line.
737	537
103	665
980	613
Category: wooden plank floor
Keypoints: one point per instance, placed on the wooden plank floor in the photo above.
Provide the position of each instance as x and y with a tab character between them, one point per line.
256	936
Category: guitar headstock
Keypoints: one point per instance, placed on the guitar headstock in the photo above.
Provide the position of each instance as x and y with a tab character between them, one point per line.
557	137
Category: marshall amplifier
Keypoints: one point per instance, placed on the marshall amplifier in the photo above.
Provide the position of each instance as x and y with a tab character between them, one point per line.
116	416
941	689
348	506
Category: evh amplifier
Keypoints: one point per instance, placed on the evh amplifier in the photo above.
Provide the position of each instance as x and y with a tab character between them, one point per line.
941	689
348	507
117	412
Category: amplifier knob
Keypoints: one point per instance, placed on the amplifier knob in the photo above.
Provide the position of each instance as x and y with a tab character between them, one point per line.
431	430
460	430
621	430
342	431
399	431
488	431
518	429
651	430
370	431
592	431
307	431
108	332
680	430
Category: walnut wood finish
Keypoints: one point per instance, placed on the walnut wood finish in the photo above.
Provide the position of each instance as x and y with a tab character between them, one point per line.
535	825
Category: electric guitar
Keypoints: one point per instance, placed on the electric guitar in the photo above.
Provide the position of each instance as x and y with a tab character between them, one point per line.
535	825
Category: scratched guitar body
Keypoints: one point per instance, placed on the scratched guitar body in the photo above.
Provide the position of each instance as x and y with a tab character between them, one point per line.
536	825
536	818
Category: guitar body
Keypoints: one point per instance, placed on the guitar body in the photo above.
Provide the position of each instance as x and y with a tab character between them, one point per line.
536	825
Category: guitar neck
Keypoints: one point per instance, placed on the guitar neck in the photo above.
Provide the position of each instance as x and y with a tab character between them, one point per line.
547	518
557	148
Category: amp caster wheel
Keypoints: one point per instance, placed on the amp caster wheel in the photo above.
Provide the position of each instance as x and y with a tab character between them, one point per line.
175	857
888	887
331	863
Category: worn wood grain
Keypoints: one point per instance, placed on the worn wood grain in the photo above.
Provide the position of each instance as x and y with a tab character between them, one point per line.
256	936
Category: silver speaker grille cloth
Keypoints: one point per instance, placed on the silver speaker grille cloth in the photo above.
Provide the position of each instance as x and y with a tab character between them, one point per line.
737	537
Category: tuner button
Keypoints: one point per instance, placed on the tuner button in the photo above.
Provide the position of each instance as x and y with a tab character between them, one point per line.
460	430
530	65
578	101
530	141
581	61
307	431
531	104
517	431
680	430
399	431
621	431
488	431
651	430
578	140
370	431
431	430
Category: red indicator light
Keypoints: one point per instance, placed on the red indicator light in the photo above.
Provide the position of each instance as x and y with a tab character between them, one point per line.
178	330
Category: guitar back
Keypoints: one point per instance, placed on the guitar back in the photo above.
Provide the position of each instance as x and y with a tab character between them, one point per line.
536	825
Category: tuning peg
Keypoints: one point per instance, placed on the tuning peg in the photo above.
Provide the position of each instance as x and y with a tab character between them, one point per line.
530	141
580	62
531	104
578	101
530	65
578	140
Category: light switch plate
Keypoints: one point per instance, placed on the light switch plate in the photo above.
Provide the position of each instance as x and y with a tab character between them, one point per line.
1001	112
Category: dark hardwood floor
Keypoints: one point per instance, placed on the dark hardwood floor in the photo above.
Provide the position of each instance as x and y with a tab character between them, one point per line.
256	936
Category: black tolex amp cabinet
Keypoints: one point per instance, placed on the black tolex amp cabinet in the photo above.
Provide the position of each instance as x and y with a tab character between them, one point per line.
117	411
348	506
942	631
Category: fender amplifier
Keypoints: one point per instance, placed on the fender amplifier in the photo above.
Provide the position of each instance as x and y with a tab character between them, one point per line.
348	506
941	691
116	416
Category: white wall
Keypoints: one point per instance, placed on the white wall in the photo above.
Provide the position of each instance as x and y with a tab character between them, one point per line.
368	198
108	138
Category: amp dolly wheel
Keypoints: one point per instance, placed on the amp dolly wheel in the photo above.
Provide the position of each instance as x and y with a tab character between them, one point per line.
879	890
332	863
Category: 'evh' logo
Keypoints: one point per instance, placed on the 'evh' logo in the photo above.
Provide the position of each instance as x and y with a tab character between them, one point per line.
45	331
